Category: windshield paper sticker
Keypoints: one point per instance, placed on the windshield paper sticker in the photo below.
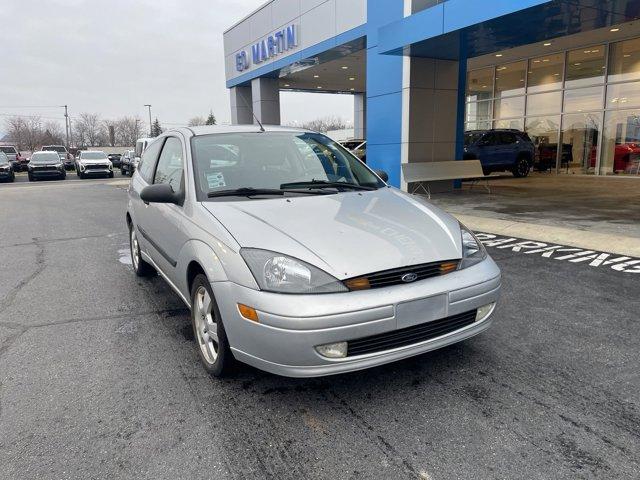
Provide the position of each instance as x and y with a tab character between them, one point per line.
215	180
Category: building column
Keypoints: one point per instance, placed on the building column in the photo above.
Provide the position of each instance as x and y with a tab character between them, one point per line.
384	93
241	102
431	113
359	115
266	100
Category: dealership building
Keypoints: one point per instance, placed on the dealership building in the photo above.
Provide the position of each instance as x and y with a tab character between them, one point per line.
422	72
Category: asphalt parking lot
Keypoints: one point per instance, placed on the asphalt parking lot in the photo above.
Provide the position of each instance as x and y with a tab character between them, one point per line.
99	376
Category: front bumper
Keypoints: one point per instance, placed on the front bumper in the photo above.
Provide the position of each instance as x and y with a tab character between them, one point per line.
291	326
96	171
47	173
6	174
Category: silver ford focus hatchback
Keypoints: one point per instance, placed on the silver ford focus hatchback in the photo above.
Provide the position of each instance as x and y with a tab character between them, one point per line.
294	257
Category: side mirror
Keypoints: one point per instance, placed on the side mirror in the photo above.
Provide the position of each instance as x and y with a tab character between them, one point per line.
383	175
160	193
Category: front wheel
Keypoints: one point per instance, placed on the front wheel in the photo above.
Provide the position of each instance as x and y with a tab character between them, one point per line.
208	330
521	168
31	178
111	175
142	268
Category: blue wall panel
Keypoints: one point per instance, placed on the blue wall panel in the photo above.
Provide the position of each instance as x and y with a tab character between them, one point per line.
384	93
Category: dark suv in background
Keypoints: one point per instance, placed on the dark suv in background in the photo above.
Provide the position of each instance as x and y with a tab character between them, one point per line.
500	150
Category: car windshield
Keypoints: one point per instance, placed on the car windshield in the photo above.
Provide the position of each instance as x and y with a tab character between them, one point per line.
472	137
93	156
54	148
276	160
10	150
45	157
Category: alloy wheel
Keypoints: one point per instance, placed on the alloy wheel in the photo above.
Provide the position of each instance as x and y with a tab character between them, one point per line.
135	249
205	325
523	167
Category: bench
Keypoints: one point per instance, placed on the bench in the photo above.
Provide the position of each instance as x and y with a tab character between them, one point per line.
425	172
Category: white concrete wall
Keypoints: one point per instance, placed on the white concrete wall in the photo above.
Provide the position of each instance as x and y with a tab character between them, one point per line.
316	21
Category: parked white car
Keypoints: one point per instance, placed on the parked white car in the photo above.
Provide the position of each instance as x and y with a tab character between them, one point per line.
93	163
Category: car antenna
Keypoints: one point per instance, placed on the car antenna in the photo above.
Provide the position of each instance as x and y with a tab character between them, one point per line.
246	104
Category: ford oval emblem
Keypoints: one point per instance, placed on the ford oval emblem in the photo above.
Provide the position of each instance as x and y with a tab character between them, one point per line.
409	277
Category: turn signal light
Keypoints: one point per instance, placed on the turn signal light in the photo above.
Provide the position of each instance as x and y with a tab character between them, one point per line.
248	312
448	267
361	283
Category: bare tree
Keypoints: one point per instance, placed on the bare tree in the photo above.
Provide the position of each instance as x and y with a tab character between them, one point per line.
16	128
197	121
128	130
52	134
33	133
325	124
90	125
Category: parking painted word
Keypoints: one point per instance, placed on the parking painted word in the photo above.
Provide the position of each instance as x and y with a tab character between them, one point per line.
591	258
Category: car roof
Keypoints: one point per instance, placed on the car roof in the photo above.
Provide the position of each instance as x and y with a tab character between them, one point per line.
92	151
211	129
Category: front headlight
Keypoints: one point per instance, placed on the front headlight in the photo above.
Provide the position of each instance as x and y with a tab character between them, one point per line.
472	249
275	272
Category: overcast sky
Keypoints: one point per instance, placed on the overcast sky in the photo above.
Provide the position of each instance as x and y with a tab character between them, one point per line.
113	56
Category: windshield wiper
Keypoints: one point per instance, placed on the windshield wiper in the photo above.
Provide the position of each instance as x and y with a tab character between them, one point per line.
249	192
325	184
245	192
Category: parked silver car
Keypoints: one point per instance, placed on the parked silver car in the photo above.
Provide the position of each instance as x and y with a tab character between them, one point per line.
298	259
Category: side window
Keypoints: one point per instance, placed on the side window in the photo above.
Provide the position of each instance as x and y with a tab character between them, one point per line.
170	167
488	139
148	160
507	138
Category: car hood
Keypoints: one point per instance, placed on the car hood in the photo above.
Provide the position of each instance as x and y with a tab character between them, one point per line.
346	234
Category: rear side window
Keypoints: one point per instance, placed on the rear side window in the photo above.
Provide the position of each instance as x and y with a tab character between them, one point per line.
148	160
170	168
507	138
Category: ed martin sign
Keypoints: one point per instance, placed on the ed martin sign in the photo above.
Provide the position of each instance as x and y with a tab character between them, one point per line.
267	48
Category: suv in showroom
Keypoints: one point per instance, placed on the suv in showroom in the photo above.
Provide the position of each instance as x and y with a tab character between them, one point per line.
500	150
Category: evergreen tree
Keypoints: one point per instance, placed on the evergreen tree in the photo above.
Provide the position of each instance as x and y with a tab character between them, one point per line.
211	119
156	128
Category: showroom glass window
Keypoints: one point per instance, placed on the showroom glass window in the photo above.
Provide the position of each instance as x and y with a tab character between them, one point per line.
545	73
621	134
585	66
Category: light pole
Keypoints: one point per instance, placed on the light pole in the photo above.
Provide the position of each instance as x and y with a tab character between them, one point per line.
66	123
150	127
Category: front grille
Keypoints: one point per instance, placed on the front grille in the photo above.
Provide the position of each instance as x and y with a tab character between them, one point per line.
95	167
410	335
394	276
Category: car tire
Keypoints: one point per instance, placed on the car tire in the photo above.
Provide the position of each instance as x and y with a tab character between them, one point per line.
31	178
81	175
140	267
63	176
122	172
208	329
12	178
111	175
521	168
